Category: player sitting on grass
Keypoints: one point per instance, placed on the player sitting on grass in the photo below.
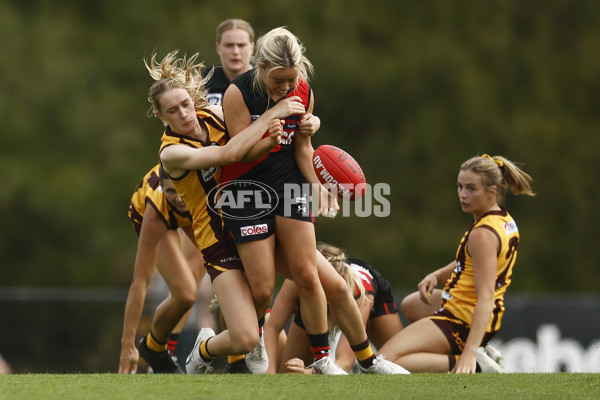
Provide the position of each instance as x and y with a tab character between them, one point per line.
472	302
374	299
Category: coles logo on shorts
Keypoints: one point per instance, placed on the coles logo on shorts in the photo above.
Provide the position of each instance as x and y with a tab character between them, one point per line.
253	229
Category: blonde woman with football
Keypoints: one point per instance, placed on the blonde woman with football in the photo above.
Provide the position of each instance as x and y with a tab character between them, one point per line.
193	150
281	72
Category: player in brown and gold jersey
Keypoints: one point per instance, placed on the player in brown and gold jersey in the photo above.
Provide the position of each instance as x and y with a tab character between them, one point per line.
158	214
472	302
193	150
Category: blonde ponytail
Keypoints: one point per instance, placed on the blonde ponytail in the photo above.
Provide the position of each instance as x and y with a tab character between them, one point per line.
502	172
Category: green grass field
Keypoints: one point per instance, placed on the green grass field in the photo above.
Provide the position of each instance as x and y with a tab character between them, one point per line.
305	387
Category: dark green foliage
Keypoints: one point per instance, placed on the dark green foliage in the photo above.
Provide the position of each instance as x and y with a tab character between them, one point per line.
409	88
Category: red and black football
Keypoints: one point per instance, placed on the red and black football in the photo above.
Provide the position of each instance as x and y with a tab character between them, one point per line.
338	170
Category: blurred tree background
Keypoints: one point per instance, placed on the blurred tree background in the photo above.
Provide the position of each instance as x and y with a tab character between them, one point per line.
410	88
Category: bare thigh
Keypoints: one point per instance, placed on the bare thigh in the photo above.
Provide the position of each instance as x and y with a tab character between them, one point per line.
174	267
192	254
259	259
235	300
422	336
414	309
259	263
383	328
297	245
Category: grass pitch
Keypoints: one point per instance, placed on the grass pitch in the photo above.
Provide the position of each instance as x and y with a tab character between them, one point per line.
279	387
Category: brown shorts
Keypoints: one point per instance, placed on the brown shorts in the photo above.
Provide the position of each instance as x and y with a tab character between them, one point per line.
220	257
455	330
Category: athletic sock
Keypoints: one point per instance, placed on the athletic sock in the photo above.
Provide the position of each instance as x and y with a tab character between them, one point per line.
172	342
319	345
204	353
235	358
261	322
364	354
153	344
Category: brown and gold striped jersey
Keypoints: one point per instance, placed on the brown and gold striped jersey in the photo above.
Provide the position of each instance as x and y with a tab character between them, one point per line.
194	185
459	296
149	193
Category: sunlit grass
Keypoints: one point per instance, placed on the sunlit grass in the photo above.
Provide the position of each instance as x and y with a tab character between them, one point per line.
276	387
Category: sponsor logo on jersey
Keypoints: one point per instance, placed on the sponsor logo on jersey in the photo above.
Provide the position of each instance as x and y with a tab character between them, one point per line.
291	123
510	228
208	173
214	99
287	137
446	295
458	268
253	230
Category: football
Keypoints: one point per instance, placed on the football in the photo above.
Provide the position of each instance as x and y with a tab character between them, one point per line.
338	170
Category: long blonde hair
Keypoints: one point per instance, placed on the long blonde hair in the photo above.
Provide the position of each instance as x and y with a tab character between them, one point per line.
337	259
503	173
173	72
279	48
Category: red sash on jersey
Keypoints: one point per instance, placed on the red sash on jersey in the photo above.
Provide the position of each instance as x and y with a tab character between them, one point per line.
239	168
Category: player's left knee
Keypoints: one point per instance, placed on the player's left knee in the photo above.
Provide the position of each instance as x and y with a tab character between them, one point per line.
306	276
